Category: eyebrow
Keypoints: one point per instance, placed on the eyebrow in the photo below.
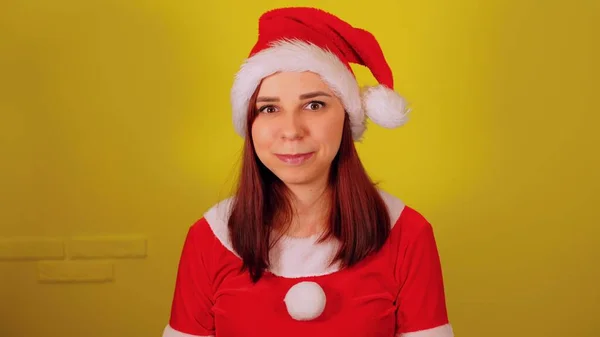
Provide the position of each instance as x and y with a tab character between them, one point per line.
314	94
303	96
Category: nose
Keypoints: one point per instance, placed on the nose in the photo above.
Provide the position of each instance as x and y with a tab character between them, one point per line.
292	126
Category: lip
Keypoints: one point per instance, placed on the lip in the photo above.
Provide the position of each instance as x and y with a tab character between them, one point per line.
295	159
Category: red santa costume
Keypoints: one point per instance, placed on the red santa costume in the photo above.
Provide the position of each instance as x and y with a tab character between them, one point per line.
397	291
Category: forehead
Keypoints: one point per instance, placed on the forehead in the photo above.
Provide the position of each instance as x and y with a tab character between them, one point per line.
292	84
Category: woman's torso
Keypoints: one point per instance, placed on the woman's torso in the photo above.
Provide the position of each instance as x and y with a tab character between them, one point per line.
360	301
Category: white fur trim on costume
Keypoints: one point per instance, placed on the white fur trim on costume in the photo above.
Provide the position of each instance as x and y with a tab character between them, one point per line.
394	205
385	107
298	257
296	55
294	257
170	332
440	331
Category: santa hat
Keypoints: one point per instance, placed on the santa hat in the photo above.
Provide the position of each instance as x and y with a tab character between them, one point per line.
308	39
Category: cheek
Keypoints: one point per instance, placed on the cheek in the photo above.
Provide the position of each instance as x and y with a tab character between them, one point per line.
262	137
329	133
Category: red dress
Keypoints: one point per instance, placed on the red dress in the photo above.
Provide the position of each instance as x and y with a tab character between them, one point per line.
397	292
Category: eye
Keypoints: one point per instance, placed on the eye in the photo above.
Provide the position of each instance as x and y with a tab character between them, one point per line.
267	109
315	105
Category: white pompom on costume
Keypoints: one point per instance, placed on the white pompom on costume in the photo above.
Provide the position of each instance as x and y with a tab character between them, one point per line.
305	39
305	301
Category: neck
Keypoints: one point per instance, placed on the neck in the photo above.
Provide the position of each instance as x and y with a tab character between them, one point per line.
311	206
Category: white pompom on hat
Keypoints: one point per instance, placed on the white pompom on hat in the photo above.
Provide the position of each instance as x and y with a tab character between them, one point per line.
309	39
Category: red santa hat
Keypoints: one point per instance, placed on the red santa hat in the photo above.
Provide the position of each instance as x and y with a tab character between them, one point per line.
308	39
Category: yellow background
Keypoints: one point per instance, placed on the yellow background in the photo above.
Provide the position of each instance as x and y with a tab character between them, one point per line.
115	119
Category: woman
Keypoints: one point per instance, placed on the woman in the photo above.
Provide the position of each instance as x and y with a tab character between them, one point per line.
308	246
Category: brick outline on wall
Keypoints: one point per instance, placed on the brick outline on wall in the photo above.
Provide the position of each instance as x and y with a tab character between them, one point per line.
75	259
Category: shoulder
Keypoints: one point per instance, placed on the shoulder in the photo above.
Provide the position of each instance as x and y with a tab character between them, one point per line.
410	229
412	223
207	243
404	218
394	205
217	217
210	230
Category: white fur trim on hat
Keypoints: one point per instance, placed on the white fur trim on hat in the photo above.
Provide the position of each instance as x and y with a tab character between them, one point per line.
384	106
296	55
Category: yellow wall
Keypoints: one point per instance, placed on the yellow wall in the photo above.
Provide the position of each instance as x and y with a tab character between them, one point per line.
115	128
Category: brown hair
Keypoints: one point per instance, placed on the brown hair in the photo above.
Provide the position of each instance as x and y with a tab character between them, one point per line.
358	216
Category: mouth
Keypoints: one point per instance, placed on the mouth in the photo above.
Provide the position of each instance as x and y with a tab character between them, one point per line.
295	159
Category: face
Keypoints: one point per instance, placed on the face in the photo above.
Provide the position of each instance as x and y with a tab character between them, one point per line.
299	126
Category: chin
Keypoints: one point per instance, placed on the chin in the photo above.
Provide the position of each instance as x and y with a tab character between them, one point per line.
295	178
